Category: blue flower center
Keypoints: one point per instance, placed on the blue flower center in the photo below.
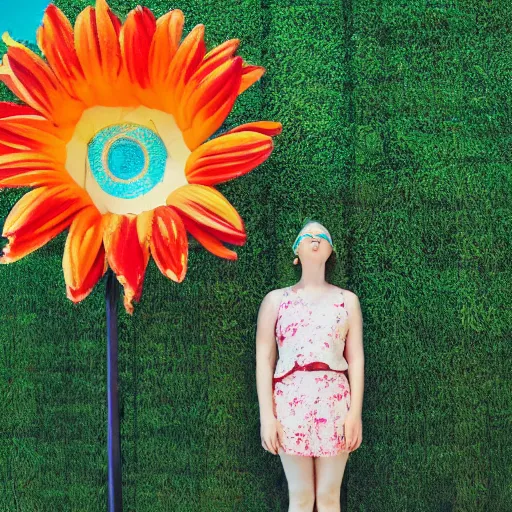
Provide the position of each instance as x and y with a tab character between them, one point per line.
127	160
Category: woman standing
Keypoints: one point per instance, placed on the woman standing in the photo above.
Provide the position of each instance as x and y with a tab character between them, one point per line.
311	401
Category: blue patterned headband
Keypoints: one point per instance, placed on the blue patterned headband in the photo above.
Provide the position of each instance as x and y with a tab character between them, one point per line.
295	246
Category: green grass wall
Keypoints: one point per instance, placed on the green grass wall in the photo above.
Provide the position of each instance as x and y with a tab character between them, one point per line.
396	135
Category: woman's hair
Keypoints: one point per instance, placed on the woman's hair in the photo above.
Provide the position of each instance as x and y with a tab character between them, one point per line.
313	221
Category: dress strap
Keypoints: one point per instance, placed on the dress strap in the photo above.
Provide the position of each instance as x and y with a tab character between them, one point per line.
285	294
344	299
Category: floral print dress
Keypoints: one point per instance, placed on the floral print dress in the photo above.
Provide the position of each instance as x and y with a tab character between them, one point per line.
311	391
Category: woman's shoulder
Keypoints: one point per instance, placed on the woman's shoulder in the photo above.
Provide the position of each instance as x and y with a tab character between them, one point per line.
275	296
350	295
278	292
351	300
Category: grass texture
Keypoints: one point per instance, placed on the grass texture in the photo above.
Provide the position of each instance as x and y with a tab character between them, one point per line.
397	136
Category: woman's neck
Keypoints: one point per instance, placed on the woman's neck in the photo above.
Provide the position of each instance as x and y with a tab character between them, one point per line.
313	278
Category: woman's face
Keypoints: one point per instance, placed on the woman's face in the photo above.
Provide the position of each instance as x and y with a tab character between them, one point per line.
314	248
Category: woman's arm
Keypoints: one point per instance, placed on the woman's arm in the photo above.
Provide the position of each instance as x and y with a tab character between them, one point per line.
354	353
266	353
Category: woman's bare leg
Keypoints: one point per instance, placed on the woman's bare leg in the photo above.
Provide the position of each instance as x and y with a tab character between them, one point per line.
328	475
299	473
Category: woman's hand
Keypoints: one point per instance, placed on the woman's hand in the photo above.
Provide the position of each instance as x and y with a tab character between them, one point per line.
271	434
353	431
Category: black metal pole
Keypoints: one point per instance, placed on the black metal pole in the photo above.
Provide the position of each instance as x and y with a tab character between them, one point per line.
115	503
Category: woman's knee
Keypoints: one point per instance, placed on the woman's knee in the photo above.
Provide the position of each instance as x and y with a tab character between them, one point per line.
302	497
328	498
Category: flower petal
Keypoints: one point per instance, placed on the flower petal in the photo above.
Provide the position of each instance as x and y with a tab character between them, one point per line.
210	210
269	128
184	63
208	241
37	179
221	53
12	114
165	44
225	51
55	38
211	102
32	80
22	128
214	59
97	46
15	165
30	133
8	109
127	247
169	243
16	135
250	75
201	88
39	216
84	261
97	271
135	39
226	157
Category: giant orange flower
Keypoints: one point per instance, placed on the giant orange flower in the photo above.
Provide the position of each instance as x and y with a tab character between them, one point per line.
113	140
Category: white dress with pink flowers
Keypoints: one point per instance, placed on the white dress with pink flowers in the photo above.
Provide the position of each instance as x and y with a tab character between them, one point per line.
311	391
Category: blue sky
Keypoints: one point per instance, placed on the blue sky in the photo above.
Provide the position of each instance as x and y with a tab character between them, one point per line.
21	18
